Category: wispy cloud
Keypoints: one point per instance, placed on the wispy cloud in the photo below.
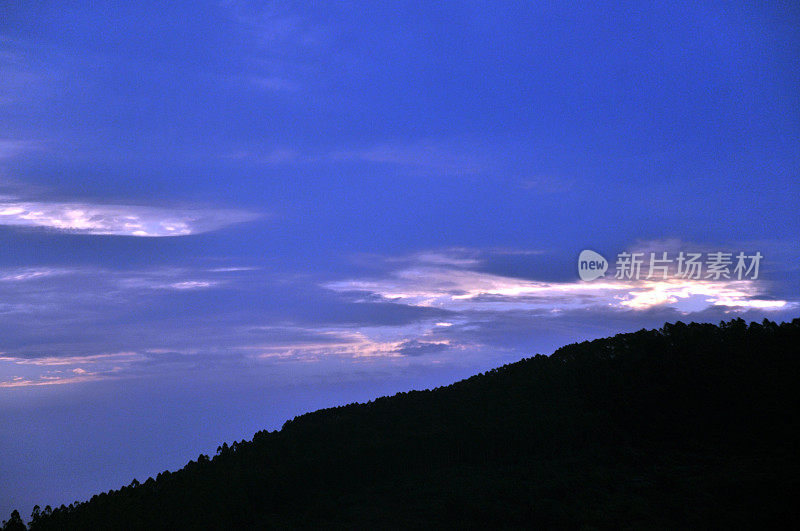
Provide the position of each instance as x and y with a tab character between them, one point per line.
117	357
118	220
65	294
340	343
31	273
60	370
163	280
49	379
360	343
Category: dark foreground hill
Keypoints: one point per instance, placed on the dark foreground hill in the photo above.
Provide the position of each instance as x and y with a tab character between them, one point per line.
687	426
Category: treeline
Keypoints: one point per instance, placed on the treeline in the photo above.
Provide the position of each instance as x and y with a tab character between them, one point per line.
691	425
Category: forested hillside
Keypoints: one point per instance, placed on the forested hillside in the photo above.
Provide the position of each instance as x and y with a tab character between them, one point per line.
688	425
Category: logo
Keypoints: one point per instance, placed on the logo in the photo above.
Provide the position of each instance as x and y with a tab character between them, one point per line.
591	265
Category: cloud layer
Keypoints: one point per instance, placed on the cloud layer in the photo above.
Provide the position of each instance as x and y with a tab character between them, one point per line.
117	220
457	288
457	306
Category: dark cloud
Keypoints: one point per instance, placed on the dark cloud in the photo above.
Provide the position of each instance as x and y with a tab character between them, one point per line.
414	347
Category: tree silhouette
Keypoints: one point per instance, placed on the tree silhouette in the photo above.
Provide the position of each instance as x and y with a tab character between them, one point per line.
14	523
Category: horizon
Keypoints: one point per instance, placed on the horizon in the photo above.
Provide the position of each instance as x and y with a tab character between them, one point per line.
217	217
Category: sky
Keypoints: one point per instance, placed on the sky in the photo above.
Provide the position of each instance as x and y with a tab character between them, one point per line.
217	216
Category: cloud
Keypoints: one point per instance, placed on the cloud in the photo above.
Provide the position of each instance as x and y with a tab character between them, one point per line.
67	294
117	220
451	306
162	280
20	381
117	357
340	343
60	370
451	257
32	273
414	347
454	287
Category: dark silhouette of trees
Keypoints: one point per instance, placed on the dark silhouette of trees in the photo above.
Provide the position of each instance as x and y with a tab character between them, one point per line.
14	523
691	425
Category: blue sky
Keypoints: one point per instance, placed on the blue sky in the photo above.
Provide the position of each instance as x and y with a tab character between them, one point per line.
214	217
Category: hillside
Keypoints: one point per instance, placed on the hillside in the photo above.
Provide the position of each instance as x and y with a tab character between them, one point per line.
689	425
